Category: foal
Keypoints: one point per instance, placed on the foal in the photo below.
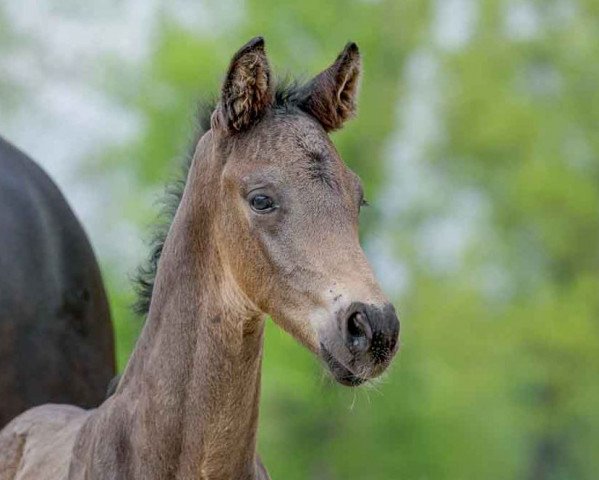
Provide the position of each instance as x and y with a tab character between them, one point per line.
267	224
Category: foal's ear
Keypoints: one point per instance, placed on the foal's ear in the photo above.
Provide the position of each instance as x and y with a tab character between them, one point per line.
331	95
246	92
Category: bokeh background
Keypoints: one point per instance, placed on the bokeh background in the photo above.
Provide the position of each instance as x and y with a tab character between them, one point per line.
478	143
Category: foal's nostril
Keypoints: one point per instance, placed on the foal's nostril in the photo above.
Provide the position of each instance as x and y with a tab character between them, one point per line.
371	330
359	332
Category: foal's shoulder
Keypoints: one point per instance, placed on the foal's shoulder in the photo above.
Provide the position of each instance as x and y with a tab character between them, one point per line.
44	425
37	443
48	417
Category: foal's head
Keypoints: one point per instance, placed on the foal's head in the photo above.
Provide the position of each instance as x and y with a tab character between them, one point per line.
288	213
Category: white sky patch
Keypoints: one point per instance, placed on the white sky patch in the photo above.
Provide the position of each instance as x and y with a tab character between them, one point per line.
218	18
419	127
392	273
443	240
70	32
408	179
454	23
522	20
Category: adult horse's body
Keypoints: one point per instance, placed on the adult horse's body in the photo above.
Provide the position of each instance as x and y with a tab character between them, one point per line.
267	224
56	342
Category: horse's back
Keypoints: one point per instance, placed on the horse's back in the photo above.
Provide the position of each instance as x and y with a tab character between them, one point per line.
37	444
56	341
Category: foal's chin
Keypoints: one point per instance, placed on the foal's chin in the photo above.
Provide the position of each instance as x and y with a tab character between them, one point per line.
342	374
353	370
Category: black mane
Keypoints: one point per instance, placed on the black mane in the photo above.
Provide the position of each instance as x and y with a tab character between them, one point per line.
287	100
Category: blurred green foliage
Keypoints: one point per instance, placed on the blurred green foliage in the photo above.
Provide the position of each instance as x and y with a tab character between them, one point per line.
498	374
494	381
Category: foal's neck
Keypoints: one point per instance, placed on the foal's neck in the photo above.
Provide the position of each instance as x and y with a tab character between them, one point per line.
195	373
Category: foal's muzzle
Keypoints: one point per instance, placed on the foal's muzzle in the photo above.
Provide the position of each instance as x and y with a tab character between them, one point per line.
370	337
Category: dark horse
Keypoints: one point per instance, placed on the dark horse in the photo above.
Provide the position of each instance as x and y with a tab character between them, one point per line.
56	341
267	224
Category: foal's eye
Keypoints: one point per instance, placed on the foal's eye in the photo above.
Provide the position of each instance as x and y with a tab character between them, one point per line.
262	203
